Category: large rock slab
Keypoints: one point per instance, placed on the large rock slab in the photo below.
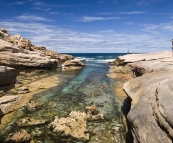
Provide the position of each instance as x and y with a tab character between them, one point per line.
131	58
150	118
24	60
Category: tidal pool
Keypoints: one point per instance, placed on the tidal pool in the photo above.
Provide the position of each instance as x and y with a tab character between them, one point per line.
86	87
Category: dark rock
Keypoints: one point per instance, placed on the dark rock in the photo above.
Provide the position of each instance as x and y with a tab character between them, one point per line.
7	75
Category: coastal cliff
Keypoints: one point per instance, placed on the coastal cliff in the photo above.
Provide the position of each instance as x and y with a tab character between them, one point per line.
150	93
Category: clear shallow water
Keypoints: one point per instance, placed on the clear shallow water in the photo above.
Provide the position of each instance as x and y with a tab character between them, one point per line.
83	88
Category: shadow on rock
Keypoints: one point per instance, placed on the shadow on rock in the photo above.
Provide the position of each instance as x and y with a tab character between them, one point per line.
1	115
125	109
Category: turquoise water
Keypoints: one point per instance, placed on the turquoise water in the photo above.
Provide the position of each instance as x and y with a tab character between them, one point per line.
82	88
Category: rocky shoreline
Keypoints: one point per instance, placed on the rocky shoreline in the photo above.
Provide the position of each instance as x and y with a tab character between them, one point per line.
143	85
25	71
149	103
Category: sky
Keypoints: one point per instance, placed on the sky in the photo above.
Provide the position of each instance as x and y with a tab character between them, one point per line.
91	26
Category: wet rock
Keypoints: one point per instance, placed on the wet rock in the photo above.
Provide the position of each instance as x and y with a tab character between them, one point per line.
93	113
92	109
73	126
23	90
111	62
30	122
33	106
72	65
40	71
19	137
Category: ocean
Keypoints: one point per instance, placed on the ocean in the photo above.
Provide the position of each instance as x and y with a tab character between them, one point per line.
82	88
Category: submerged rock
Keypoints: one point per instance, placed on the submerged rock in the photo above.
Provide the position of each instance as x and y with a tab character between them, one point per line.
30	122
75	125
19	137
93	113
33	106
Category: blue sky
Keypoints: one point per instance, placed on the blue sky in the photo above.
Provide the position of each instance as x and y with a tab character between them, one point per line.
110	26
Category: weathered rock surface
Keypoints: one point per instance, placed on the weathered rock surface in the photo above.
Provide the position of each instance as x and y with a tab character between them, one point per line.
75	125
4	34
20	41
19	137
7	75
150	119
16	51
72	65
7	104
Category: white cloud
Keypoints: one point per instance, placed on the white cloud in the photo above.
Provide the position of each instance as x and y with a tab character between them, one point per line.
156	28
39	3
90	18
132	12
129	23
17	3
27	17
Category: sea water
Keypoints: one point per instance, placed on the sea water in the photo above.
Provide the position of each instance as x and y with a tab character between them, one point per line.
84	87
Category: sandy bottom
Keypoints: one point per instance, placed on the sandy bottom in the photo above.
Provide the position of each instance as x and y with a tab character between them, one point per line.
120	77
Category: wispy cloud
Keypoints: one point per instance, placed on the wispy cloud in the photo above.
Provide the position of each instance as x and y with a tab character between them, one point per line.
91	19
31	18
155	28
106	13
61	13
39	3
17	3
132	12
129	23
101	1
